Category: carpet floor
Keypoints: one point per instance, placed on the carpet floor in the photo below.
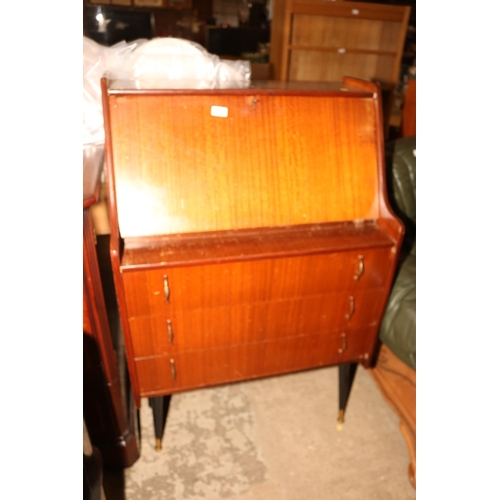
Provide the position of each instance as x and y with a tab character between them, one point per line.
271	439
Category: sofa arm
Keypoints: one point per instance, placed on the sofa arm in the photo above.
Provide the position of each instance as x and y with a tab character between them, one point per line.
402	177
398	328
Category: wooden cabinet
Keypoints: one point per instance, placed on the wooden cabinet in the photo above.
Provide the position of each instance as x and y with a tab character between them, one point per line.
321	40
256	235
110	421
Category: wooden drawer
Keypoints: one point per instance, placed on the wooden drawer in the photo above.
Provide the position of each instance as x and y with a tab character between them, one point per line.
226	326
194	369
250	282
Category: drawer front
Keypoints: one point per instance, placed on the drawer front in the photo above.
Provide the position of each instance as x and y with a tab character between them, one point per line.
168	290
195	369
225	326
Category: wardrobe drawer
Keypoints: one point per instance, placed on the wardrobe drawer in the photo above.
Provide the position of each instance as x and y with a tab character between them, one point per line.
166	290
226	326
193	369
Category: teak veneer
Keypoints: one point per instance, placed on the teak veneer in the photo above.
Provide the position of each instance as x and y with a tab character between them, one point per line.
250	230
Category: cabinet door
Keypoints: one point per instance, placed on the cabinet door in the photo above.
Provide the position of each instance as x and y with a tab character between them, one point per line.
168	290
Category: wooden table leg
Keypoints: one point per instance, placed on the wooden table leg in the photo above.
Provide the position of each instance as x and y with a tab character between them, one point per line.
160	406
346	378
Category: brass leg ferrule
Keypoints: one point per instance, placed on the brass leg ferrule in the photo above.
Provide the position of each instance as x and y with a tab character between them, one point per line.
158	445
341	416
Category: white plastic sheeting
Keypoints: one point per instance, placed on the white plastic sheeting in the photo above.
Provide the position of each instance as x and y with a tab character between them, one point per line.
156	63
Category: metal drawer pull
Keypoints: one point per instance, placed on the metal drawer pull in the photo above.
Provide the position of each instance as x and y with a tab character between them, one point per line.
351	307
170	332
166	288
172	369
344	343
361	267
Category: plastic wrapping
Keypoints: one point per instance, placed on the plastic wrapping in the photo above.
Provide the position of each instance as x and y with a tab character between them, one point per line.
157	63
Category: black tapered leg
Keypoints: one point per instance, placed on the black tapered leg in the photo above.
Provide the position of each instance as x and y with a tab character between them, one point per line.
159	406
346	378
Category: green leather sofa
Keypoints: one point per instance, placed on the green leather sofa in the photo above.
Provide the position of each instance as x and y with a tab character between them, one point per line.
395	367
398	328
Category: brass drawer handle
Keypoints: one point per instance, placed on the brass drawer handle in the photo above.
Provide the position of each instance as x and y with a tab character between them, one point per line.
170	332
361	267
173	370
351	307
344	343
166	288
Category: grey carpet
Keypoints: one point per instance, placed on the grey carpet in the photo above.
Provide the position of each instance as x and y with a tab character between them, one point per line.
272	439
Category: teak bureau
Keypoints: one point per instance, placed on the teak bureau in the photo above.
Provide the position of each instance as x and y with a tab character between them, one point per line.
250	230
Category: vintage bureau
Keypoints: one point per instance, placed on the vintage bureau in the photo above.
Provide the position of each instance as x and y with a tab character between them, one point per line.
250	230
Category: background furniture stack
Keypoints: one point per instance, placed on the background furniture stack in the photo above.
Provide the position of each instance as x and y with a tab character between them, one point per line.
323	40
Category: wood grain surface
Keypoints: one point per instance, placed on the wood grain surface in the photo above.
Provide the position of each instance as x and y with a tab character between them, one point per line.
250	282
246	323
230	246
194	369
179	169
322	40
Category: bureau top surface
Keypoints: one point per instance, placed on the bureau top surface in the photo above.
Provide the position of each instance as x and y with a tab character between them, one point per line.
251	244
138	86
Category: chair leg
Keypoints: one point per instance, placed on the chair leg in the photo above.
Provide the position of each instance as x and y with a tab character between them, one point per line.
159	406
347	371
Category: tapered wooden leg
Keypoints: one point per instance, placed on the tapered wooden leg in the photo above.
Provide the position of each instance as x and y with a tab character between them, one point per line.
159	406
346	378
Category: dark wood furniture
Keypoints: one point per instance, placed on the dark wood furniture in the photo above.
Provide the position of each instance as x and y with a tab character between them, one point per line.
257	238
110	423
409	112
398	384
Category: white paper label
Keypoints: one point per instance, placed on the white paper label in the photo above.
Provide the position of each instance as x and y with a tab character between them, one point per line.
220	111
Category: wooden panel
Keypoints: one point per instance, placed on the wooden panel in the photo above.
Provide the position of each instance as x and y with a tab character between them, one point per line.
231	246
277	37
307	65
349	33
87	324
255	168
104	408
195	369
226	326
323	41
409	121
358	10
200	287
93	157
398	382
